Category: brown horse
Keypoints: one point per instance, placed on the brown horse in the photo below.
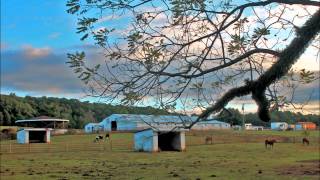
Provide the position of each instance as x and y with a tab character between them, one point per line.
269	142
305	141
208	139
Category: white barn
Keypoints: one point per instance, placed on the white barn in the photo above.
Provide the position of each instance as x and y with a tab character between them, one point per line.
134	122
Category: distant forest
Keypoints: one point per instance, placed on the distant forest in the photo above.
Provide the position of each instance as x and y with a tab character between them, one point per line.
79	113
276	116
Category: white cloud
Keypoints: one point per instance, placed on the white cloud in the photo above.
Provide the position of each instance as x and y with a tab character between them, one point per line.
108	18
32	52
54	35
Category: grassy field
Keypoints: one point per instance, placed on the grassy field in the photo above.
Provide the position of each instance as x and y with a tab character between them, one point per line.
234	160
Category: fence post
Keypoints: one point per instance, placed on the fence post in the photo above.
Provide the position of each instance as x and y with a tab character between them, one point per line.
110	144
29	147
10	148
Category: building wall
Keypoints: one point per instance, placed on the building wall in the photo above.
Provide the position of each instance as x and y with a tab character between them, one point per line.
48	135
106	125
298	127
21	137
308	126
125	125
279	126
145	141
90	128
179	141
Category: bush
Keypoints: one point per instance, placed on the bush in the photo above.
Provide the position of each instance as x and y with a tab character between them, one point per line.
8	134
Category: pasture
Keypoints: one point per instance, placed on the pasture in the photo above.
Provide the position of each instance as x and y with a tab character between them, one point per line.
233	155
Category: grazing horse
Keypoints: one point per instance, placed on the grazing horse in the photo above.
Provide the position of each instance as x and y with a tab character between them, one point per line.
208	139
98	138
305	141
269	142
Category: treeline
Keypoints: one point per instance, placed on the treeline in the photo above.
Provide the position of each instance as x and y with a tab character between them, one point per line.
79	113
276	116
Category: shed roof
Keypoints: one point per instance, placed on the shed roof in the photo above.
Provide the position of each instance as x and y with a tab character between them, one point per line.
36	129
163	130
160	118
42	118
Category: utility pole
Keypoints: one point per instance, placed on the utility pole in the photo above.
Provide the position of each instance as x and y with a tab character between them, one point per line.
243	127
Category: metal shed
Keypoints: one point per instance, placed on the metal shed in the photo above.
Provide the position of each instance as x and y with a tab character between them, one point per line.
134	122
33	135
92	127
279	126
151	140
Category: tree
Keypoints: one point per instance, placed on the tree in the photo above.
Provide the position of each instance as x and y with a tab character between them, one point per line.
189	52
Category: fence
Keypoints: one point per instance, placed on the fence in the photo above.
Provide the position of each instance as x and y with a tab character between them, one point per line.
65	147
192	139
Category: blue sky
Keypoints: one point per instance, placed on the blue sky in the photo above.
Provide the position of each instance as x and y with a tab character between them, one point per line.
36	22
36	36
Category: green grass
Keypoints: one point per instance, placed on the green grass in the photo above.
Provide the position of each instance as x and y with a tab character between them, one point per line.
218	161
313	133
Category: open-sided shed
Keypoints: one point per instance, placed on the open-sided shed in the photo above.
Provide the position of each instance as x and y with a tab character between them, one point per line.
33	135
151	140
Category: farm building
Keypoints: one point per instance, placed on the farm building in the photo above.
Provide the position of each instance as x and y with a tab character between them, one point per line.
92	128
249	126
44	122
133	122
211	124
279	126
298	127
151	140
308	125
33	135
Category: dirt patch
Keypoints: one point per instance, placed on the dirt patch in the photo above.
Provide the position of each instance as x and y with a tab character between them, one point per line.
302	168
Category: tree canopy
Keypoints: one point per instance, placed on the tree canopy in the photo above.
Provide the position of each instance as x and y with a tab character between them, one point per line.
79	113
196	53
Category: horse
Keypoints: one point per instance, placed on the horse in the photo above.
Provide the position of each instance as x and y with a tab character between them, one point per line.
305	141
98	138
269	142
208	139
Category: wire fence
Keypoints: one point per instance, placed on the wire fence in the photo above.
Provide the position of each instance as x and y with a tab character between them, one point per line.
192	139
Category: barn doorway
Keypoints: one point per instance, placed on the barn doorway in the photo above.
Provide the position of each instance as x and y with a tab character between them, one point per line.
37	136
169	141
113	125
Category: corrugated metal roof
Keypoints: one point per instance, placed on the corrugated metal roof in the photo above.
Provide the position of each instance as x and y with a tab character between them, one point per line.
160	118
36	129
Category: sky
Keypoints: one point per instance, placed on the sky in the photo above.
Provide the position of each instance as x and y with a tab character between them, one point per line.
36	36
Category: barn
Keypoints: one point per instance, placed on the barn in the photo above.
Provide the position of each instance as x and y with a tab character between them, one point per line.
92	128
279	126
211	124
151	140
33	135
308	125
133	122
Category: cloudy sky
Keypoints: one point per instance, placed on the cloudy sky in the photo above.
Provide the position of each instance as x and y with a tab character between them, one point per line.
36	35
